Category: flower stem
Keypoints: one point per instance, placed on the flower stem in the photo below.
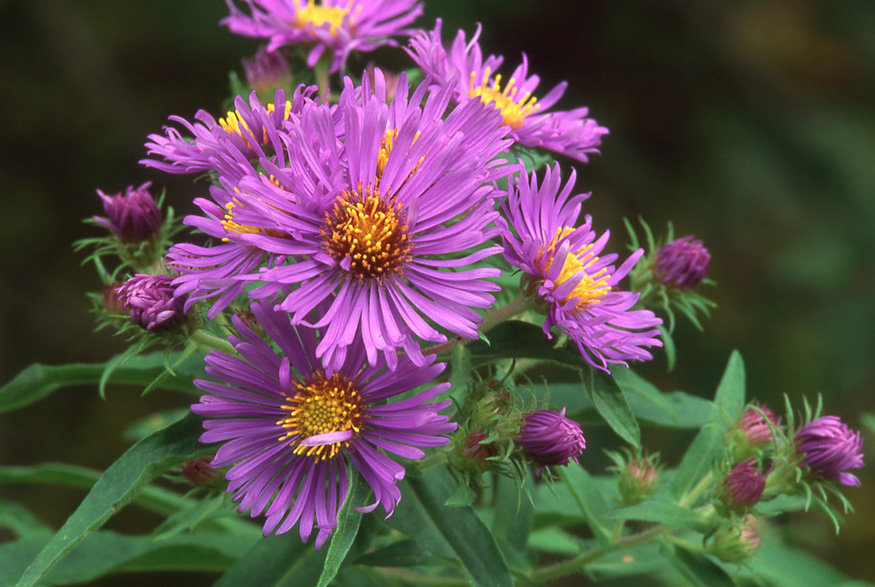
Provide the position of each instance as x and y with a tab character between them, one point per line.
207	341
517	306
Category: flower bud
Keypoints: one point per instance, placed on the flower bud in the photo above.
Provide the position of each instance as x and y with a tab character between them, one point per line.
150	300
743	486
550	439
638	480
199	473
682	263
828	447
133	216
476	451
267	71
734	543
111	302
751	432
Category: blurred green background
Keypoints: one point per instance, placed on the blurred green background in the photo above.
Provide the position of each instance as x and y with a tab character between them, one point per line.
748	123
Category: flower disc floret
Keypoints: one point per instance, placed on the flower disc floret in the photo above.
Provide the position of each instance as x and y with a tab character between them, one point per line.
366	235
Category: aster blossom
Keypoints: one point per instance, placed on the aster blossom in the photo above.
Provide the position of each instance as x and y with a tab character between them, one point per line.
829	448
472	77
363	218
576	287
551	439
292	431
338	26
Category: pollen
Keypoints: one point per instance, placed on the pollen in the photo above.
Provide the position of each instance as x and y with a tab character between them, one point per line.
513	107
367	231
321	406
592	286
230	225
233	123
318	16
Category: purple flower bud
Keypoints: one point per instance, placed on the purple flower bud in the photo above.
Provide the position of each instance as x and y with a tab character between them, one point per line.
756	431
682	263
732	543
133	215
151	303
743	486
550	439
638	479
478	452
828	447
267	70
199	473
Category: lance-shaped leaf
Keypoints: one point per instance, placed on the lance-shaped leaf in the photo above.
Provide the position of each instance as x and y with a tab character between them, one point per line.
696	568
348	520
515	339
454	533
277	561
143	462
608	399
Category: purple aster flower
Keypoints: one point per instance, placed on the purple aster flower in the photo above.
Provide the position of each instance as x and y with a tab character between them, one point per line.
551	439
828	448
133	215
473	78
291	429
743	486
339	26
235	140
682	263
577	287
267	71
383	221
151	302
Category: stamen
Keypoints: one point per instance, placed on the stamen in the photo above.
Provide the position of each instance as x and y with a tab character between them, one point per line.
318	16
592	285
513	110
368	232
322	406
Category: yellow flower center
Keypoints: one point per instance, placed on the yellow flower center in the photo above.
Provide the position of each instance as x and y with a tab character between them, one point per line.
318	16
591	286
385	149
321	407
513	108
231	225
234	123
368	231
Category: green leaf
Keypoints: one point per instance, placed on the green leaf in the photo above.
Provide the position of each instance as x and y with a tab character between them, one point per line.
676	409
696	568
103	553
730	392
515	339
15	556
277	561
664	512
21	522
117	486
348	520
460	371
590	500
404	553
513	514
783	566
696	462
452	533
37	381
608	400
626	562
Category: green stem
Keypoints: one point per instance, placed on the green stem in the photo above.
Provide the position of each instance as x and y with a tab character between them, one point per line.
694	493
207	341
514	307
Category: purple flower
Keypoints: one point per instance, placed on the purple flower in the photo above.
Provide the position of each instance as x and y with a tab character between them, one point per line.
133	215
339	26
682	263
551	439
151	302
231	142
267	70
473	78
828	448
577	287
743	486
382	221
291	429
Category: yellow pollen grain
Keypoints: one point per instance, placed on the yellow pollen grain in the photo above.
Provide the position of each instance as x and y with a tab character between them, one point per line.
320	407
233	123
368	230
591	286
513	109
318	16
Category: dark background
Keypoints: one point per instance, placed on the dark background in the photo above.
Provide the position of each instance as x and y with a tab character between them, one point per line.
748	123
